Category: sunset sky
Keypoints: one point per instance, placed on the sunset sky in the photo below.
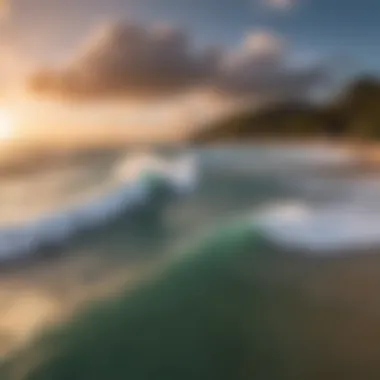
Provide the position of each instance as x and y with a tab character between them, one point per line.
153	68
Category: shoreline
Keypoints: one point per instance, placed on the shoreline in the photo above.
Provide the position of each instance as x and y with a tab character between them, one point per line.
363	153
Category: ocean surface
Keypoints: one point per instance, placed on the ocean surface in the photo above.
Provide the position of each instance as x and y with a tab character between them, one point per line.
64	202
86	225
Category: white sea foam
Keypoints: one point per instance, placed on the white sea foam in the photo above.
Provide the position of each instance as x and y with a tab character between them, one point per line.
124	190
342	227
182	172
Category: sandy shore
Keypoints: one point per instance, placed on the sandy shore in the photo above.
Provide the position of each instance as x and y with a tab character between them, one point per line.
309	318
35	296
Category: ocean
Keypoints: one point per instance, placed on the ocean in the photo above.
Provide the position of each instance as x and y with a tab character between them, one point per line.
232	262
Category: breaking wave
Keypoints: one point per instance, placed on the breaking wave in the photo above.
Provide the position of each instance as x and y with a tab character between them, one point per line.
131	185
313	228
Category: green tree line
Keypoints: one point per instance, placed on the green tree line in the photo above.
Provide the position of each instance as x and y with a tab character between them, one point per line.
352	114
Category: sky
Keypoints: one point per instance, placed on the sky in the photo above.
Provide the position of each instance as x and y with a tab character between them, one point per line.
155	68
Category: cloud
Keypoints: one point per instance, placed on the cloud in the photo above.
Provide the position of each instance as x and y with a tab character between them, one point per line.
130	61
280	4
135	62
262	66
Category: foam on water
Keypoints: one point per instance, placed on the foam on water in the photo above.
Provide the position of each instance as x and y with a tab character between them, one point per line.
127	189
343	227
182	172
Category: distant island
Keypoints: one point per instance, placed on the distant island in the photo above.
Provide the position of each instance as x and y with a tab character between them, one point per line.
353	115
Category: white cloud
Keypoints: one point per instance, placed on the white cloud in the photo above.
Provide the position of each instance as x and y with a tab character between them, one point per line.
280	4
258	48
264	43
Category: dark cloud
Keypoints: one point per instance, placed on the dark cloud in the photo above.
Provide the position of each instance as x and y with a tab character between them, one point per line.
262	67
131	61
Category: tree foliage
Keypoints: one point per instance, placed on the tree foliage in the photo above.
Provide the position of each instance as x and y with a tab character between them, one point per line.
354	114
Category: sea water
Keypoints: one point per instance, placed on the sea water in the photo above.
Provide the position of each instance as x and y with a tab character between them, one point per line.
109	219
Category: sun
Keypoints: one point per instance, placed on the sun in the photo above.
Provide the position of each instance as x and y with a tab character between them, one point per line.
6	125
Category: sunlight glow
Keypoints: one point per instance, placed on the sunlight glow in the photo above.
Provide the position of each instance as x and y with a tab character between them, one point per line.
6	125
